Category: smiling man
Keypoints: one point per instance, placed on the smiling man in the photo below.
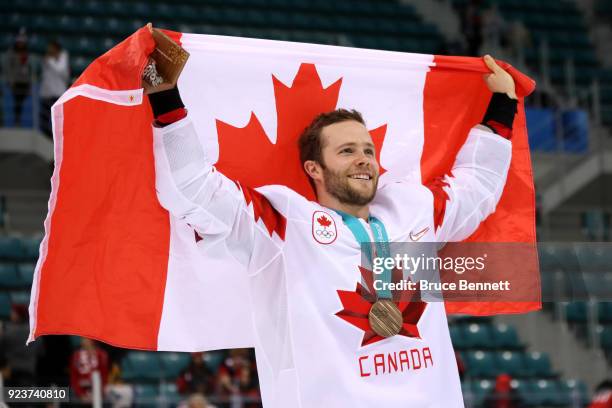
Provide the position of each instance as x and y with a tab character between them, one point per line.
302	256
328	148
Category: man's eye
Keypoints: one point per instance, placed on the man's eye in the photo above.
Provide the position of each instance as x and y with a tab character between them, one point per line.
347	150
369	152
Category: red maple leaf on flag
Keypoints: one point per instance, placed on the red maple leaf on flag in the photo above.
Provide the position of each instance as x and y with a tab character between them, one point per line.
323	221
246	154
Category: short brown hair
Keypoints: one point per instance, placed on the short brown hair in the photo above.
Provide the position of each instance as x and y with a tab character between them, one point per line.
310	144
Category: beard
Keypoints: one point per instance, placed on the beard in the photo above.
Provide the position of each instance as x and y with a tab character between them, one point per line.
338	185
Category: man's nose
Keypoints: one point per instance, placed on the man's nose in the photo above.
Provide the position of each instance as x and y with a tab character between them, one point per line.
363	160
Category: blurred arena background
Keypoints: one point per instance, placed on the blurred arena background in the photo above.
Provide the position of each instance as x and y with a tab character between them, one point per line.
558	357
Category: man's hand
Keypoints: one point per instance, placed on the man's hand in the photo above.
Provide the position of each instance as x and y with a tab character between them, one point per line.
499	80
166	63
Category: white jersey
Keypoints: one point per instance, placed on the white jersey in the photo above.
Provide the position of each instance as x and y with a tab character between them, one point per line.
299	254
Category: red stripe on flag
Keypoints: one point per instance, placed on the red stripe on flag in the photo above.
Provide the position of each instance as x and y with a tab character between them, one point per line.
121	67
449	114
104	274
108	259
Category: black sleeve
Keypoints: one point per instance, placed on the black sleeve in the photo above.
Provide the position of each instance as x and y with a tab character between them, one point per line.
501	109
165	101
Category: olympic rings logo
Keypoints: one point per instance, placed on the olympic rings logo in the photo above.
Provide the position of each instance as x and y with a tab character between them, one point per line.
325	233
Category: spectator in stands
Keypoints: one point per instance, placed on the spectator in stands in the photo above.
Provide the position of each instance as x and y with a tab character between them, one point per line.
196	401
55	75
197	377
519	40
18	73
20	360
238	376
503	396
52	365
596	225
538	210
3	212
5	370
603	395
118	393
84	362
471	25
460	365
493	31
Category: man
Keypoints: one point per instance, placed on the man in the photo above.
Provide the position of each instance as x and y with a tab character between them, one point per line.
20	360
301	254
118	393
602	397
503	395
18	68
197	377
83	363
237	377
55	76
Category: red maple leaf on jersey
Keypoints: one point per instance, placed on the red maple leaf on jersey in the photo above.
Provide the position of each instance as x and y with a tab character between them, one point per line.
246	154
323	221
357	304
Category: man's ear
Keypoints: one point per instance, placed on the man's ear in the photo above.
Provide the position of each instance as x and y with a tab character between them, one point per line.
313	169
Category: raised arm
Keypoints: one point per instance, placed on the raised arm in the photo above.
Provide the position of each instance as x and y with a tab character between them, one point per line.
191	189
466	197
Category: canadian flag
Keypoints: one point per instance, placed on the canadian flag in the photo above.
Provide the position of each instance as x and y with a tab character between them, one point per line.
116	267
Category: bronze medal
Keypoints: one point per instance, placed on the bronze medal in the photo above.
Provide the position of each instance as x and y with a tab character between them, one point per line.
165	64
385	318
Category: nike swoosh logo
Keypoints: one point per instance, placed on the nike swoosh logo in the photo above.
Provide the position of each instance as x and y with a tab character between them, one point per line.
418	235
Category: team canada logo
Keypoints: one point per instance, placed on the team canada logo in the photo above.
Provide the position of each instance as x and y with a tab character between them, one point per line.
323	228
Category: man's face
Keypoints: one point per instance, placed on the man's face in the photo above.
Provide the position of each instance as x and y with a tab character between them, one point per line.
349	168
52	50
87	344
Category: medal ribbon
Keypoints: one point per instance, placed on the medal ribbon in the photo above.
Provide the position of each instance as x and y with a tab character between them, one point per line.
381	241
